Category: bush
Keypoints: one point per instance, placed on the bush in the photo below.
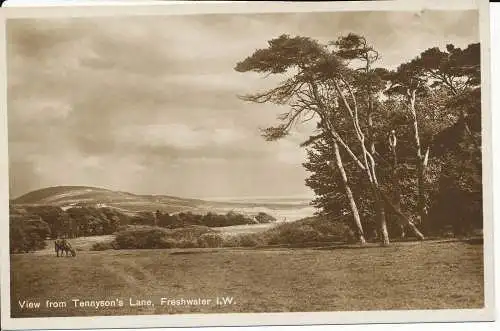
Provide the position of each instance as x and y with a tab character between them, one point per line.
27	233
251	240
143	218
152	237
18	240
231	241
210	219
210	240
169	243
140	239
102	246
310	230
307	231
264	218
291	234
246	240
191	233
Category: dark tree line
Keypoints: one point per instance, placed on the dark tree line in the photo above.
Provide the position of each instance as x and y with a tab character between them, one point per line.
209	219
395	149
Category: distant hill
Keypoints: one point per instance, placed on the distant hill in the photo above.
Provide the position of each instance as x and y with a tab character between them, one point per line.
72	196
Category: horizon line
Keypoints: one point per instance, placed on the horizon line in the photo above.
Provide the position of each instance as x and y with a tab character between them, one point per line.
213	198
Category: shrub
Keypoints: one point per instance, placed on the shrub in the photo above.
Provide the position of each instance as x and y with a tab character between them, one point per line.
102	246
250	240
265	218
311	230
294	234
210	240
307	231
245	240
210	219
152	237
189	232
27	232
168	243
18	240
140	239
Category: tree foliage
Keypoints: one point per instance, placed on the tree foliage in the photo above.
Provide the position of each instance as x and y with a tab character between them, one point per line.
27	232
409	137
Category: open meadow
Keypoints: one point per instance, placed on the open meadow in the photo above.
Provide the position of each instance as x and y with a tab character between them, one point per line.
411	275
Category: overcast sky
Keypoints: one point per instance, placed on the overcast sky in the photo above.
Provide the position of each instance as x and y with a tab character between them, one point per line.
149	105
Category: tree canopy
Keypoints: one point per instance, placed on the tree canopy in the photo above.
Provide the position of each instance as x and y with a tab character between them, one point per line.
387	142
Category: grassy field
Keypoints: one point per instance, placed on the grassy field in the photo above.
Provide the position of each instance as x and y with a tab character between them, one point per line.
424	275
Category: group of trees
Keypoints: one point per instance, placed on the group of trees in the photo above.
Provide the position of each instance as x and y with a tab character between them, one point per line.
210	219
73	222
396	149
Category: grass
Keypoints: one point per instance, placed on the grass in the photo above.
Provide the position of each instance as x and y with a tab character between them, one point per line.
413	275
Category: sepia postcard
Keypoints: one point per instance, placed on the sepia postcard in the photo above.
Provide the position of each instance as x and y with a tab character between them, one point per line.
246	163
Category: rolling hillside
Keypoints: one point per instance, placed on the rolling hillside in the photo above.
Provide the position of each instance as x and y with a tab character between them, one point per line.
70	196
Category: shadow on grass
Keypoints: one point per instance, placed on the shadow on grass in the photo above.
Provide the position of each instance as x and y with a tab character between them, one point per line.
326	246
333	247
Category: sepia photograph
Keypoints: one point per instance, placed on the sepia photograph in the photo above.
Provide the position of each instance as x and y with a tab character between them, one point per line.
227	159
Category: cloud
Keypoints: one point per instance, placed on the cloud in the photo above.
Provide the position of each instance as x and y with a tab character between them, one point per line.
150	104
178	135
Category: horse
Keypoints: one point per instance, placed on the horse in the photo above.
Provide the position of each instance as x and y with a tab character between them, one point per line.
62	245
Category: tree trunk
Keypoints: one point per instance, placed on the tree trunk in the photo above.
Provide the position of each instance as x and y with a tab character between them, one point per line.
402	217
421	160
350	197
381	199
396	199
396	182
421	191
380	210
403	232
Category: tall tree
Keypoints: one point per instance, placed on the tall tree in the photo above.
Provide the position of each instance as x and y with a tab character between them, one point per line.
336	186
453	72
458	200
407	81
331	198
369	82
362	56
